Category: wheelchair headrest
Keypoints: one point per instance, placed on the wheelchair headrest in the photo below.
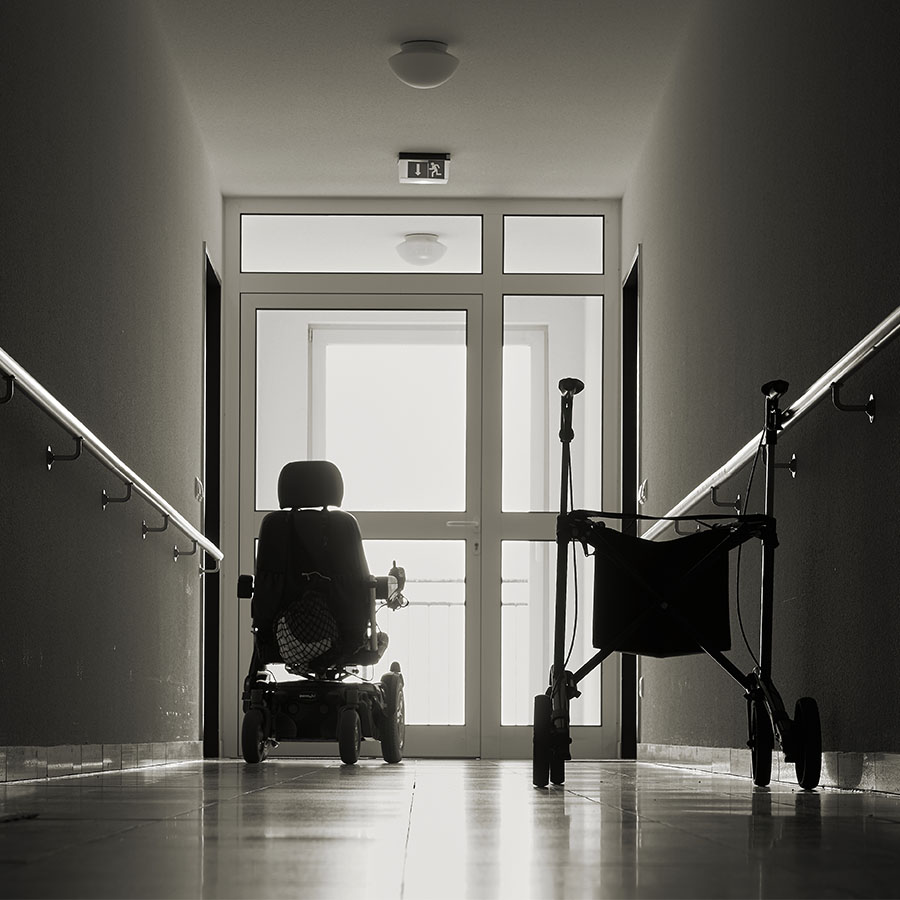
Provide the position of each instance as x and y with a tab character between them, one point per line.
310	483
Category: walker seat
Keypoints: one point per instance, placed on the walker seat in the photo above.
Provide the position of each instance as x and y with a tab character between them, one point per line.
663	598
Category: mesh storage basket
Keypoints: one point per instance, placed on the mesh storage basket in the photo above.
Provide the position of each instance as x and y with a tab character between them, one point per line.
305	630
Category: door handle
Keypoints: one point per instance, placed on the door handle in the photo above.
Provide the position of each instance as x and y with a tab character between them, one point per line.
474	524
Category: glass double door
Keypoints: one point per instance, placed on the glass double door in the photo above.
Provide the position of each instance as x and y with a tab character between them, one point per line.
404	393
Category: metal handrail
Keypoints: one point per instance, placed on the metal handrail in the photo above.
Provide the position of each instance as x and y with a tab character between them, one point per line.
36	392
851	361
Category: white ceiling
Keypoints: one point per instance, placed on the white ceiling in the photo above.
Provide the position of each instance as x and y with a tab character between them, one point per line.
552	98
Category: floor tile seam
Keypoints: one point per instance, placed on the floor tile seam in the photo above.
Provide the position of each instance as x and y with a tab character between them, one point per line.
597	801
280	783
409	814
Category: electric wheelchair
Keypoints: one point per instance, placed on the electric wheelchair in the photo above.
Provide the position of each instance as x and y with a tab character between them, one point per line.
313	606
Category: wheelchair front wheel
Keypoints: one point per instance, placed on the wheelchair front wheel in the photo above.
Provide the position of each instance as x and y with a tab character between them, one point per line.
254	740
808	728
349	735
393	729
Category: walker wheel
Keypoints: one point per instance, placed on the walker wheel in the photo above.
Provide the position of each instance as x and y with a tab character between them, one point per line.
761	742
808	731
540	768
557	764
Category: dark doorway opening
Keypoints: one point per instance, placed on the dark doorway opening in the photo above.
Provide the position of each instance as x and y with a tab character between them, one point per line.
631	359
212	445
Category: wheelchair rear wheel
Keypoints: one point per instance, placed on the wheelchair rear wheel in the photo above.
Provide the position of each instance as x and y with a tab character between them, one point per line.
349	735
393	729
254	743
762	741
808	728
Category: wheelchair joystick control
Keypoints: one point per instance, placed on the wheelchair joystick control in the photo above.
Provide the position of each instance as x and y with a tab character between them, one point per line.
400	574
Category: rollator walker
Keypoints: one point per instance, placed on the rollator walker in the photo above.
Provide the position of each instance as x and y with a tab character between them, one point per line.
313	611
671	598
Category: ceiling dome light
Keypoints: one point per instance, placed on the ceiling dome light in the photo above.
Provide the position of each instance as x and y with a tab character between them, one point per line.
421	249
423	64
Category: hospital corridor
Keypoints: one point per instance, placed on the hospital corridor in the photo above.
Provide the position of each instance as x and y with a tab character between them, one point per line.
449	449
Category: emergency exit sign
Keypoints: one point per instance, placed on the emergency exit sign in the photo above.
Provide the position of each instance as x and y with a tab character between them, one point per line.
424	168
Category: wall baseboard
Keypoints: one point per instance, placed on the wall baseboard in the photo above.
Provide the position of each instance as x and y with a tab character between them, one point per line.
849	771
26	763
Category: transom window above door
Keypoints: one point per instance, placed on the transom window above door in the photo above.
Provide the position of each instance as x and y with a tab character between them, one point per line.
344	243
366	244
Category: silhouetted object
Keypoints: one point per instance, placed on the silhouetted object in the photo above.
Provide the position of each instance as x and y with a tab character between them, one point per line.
671	598
313	610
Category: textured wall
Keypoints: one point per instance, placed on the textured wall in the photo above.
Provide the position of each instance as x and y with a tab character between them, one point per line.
766	200
107	200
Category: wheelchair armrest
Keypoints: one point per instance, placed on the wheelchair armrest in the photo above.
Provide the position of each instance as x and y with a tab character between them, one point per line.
384	584
245	587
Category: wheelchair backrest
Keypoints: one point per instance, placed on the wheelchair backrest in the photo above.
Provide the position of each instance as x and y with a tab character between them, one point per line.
311	544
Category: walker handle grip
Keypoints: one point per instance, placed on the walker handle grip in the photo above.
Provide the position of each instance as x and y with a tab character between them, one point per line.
775	389
571	386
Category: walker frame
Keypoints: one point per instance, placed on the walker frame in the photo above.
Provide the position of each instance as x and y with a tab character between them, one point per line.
800	737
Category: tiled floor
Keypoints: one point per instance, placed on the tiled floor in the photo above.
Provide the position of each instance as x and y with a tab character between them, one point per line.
440	828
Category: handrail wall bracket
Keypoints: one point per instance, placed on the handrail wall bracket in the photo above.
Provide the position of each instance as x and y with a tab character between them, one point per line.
725	504
678	530
790	466
10	388
146	529
213	570
70	457
868	408
176	552
106	499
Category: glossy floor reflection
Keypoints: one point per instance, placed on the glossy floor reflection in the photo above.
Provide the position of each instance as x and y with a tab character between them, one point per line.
440	828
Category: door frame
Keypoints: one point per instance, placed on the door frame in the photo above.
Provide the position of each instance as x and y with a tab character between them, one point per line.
496	526
631	473
211	501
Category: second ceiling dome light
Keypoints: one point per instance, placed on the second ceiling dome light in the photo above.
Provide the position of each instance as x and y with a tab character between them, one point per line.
423	64
421	249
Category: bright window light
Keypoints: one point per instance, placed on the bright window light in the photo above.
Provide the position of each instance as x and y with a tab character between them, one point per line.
560	245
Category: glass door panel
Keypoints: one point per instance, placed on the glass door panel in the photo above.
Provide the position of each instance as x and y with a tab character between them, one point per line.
429	635
527	598
546	338
381	393
405	386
